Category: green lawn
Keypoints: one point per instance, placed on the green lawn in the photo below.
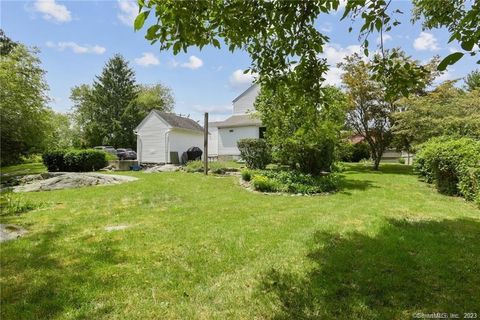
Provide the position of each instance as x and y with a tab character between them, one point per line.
199	247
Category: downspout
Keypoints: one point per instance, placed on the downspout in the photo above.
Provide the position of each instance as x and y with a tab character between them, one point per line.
139	147
167	145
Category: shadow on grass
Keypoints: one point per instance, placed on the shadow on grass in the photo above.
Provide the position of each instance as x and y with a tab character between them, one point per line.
407	267
346	185
385	168
45	282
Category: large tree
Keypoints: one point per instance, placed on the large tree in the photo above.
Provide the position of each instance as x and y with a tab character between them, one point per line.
107	112
373	96
25	117
155	96
445	111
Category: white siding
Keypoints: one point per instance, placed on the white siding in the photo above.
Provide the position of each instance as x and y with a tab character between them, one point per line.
227	141
245	103
180	140
213	141
151	140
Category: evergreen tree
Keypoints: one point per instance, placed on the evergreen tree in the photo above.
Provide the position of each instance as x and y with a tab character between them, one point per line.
116	114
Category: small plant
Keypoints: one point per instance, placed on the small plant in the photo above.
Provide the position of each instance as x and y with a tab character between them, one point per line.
401	160
246	175
11	204
194	166
264	184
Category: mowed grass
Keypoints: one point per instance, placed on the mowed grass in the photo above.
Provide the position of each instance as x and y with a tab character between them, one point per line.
198	247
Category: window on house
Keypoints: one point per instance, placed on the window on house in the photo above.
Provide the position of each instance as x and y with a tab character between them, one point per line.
261	132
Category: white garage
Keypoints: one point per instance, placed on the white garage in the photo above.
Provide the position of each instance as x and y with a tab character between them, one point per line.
162	134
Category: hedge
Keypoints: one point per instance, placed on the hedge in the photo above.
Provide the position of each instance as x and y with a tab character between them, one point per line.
74	160
452	164
256	153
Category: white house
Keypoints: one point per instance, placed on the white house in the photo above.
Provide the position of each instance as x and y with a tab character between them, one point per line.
224	135
160	134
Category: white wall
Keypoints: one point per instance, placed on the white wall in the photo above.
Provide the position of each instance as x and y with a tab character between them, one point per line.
245	103
180	140
213	141
151	140
227	141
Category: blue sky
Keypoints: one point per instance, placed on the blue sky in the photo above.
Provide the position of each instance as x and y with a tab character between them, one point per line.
76	38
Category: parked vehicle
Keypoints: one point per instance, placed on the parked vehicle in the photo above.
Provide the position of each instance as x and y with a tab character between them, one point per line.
132	155
126	154
108	149
122	154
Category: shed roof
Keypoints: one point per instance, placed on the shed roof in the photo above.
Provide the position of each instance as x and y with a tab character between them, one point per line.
242	120
179	122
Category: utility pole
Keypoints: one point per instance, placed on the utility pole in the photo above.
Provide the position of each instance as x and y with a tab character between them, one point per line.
205	144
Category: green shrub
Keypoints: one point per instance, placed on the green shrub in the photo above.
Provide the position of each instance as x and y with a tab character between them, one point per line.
310	158
54	160
74	160
452	164
246	175
31	158
255	152
349	152
401	160
298	182
264	184
360	151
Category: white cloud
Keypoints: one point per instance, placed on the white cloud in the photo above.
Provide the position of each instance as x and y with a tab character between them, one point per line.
333	76
426	41
147	59
193	63
52	10
446	75
128	11
238	79
76	48
335	53
386	37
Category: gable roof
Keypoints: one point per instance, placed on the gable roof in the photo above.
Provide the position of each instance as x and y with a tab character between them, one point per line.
179	122
245	92
174	121
242	120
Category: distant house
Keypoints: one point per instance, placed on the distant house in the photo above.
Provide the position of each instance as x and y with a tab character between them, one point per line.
160	135
224	135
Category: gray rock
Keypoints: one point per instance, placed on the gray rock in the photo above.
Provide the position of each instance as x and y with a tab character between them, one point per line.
10	232
163	168
69	180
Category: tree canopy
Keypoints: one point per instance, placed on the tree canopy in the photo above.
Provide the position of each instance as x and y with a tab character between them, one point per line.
25	117
445	111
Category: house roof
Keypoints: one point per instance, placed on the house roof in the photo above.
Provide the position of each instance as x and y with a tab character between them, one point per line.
179	122
242	120
245	92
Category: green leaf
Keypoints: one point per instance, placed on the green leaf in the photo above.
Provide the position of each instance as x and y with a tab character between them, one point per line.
449	60
140	20
468	45
216	43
